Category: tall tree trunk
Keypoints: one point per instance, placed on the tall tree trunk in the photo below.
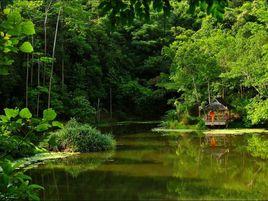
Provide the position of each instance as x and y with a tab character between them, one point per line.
62	74
45	40
27	82
111	103
98	111
32	63
38	87
53	57
209	97
195	88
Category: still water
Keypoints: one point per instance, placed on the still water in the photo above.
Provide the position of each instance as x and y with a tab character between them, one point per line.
157	166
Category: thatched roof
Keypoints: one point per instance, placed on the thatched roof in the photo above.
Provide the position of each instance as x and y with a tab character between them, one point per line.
216	105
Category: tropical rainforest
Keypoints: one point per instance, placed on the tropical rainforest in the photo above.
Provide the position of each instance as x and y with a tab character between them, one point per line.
67	67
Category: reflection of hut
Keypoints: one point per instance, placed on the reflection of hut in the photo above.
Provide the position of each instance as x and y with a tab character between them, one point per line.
216	113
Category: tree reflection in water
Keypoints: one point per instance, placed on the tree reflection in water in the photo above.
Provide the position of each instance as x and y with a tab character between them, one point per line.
203	172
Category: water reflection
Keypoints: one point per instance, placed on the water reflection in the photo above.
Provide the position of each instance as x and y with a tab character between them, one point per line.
223	172
149	166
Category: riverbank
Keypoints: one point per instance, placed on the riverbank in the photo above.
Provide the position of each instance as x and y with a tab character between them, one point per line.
215	131
32	161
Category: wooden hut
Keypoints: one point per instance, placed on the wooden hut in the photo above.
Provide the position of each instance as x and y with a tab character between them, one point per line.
216	113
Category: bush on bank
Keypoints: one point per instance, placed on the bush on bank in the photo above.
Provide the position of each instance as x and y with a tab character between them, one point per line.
80	138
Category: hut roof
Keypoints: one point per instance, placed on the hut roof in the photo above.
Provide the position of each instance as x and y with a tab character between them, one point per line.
216	105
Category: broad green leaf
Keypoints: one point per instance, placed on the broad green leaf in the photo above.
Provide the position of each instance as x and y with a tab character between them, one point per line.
11	113
42	127
46	59
57	124
25	113
4	118
49	114
19	121
14	18
7	11
6	50
28	28
35	186
26	47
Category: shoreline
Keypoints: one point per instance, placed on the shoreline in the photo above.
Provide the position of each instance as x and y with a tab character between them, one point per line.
33	161
237	131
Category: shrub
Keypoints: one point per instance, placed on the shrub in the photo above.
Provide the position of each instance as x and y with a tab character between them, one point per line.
82	110
16	147
183	121
20	123
81	138
20	133
15	185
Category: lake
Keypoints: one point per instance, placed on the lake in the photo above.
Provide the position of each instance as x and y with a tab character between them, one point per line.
157	166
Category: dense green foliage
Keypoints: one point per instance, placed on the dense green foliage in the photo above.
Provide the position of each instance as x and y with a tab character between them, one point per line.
95	60
112	70
125	11
13	30
15	185
81	138
84	67
227	59
20	134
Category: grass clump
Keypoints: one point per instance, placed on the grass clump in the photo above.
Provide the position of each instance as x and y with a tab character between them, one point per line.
78	137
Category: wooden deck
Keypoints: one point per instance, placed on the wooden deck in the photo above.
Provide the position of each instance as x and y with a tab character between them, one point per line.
215	123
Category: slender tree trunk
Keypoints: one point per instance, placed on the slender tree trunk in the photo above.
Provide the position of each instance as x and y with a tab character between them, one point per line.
45	40
111	103
53	57
32	63
27	82
98	111
196	95
209	98
38	86
62	74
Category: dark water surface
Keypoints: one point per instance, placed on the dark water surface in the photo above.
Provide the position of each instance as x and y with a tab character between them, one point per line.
154	166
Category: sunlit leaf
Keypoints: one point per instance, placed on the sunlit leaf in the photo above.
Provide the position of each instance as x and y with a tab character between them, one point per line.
26	47
57	124
25	113
43	127
49	114
11	113
28	28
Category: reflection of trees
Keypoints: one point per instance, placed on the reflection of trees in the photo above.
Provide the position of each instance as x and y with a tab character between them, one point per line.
206	173
81	163
55	173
